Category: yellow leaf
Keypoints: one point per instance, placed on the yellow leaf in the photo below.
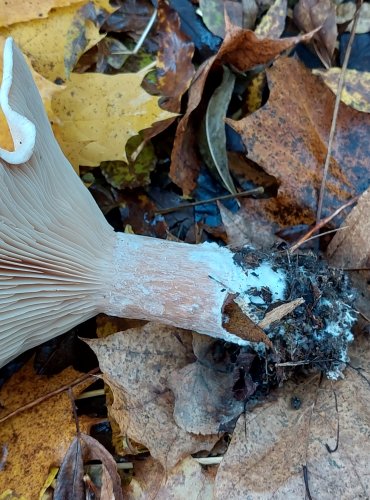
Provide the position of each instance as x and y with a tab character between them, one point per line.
99	113
36	439
19	11
46	88
45	41
356	90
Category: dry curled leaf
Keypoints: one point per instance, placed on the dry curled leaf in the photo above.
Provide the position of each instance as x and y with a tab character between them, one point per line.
70	481
136	365
205	400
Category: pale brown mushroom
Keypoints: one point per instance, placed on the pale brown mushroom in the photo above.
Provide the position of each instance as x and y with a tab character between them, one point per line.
62	263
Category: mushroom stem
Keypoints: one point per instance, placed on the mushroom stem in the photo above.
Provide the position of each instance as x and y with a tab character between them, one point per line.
62	263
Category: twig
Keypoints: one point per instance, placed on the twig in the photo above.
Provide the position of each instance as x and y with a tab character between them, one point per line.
333	450
305	478
321	223
141	39
251	192
335	111
49	395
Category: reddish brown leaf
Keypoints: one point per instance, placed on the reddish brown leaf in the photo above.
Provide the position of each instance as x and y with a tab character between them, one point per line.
243	50
174	68
311	14
288	138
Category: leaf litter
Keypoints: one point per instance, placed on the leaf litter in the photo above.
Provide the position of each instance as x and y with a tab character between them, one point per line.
177	393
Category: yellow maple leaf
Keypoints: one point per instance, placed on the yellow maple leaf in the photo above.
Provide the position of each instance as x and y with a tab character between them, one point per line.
47	41
20	11
98	114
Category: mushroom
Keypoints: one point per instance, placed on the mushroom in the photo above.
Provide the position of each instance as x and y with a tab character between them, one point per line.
62	263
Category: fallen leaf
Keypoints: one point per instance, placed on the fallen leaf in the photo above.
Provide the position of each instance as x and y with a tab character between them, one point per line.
136	172
175	52
32	38
356	90
311	14
273	22
136	365
188	480
99	113
279	439
212	140
351	247
70	480
243	50
205	401
213	16
70	483
18	12
250	13
288	138
39	437
346	12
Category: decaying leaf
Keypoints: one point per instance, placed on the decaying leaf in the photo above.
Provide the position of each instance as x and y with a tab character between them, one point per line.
19	11
174	67
293	430
188	480
241	49
356	90
212	133
51	33
38	438
205	401
288	138
351	247
70	481
273	22
136	172
312	14
99	113
346	12
136	365
213	16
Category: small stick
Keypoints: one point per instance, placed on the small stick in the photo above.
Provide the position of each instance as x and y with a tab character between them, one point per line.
320	224
49	395
332	450
250	192
335	111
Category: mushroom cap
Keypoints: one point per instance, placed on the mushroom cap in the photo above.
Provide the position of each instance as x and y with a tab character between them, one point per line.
53	237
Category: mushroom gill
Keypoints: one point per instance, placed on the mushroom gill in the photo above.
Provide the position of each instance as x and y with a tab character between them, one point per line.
61	262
